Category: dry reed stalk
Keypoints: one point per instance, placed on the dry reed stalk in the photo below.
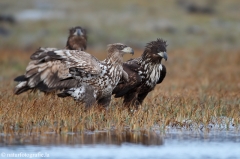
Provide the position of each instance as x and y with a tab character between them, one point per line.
196	92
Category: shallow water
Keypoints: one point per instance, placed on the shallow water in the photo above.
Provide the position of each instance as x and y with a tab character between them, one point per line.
175	144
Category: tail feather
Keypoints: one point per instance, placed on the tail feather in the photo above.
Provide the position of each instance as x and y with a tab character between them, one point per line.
63	94
21	87
84	94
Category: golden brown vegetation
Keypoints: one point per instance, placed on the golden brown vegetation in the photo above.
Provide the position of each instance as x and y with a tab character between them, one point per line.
200	88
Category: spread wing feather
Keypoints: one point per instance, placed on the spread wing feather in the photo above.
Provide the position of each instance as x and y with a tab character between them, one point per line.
49	66
41	53
45	72
83	61
45	77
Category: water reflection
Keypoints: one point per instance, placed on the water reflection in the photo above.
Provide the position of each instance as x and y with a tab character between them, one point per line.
175	144
115	138
210	136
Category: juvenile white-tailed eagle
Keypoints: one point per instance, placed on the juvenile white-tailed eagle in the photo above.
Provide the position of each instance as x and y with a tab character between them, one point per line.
77	39
101	76
144	74
45	75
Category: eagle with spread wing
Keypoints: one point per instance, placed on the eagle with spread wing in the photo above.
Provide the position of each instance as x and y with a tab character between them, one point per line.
92	74
144	74
45	75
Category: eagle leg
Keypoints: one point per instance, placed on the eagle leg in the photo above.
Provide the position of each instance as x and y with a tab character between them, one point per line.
104	101
89	97
130	99
89	102
140	98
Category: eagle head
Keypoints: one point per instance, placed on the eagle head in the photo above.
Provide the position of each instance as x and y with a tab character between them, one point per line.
156	50
77	31
77	39
119	48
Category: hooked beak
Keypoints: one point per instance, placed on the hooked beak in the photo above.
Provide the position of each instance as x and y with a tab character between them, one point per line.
163	55
78	32
128	50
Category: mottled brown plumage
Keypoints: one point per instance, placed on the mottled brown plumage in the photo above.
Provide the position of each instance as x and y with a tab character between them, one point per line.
144	74
77	39
103	80
44	74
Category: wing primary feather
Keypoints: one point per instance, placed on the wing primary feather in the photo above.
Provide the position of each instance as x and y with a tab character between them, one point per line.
20	78
53	55
65	79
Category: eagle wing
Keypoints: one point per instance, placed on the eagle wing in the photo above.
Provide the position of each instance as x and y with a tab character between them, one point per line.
83	61
133	63
163	74
41	53
49	66
45	76
46	70
131	68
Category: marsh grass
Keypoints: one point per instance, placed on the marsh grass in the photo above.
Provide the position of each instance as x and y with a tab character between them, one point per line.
201	90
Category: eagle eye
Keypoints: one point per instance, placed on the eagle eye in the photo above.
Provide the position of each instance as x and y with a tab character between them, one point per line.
121	47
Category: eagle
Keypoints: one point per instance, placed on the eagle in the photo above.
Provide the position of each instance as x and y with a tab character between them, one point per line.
99	77
45	76
77	39
144	74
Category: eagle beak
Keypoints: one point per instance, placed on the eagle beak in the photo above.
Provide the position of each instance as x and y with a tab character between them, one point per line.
163	55
78	32
128	50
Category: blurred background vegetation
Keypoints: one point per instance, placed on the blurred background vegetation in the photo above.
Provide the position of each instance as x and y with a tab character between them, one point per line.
206	24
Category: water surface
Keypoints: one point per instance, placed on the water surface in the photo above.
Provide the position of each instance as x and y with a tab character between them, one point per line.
175	144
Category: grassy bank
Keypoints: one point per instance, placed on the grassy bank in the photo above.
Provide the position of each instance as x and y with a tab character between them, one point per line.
200	88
